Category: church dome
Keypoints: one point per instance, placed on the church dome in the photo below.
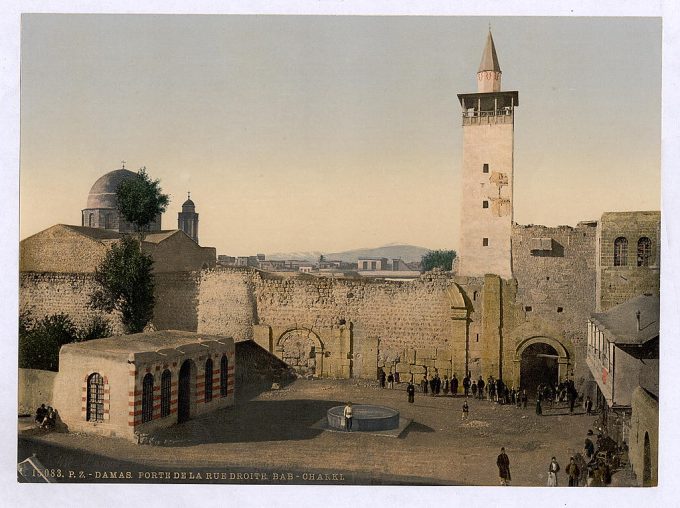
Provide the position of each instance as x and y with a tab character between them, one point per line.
103	192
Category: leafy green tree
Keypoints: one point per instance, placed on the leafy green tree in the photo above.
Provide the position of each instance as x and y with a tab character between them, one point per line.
126	284
438	259
140	200
40	341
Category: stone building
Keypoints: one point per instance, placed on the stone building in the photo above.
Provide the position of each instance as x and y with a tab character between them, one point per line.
487	183
131	385
628	256
76	249
187	219
643	443
101	210
621	343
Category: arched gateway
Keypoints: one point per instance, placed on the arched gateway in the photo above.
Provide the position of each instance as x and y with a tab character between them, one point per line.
539	360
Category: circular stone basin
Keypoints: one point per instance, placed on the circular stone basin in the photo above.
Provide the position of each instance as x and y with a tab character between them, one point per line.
366	417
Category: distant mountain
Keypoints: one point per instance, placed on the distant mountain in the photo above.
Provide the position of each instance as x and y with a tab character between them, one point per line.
408	253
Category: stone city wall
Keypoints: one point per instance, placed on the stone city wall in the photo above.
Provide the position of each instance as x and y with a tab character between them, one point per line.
400	314
44	294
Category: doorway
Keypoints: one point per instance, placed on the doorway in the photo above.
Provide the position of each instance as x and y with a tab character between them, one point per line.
184	392
538	366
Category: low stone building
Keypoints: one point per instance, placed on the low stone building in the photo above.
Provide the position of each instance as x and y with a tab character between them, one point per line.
129	386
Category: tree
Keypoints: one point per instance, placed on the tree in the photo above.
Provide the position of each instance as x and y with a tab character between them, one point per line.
126	284
141	200
40	341
438	259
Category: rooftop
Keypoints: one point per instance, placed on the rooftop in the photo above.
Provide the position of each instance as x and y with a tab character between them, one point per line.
142	342
619	323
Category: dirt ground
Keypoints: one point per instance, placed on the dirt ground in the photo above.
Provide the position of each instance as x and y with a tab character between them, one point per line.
273	431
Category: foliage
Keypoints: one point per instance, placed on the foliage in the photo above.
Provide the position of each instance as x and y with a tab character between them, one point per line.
126	284
140	200
39	341
98	328
442	259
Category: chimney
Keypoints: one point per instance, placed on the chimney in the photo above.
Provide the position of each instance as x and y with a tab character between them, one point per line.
637	318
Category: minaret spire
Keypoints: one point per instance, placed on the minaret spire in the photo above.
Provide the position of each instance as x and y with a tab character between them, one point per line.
489	73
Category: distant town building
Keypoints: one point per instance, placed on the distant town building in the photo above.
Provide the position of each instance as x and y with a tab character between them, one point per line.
372	264
187	219
223	259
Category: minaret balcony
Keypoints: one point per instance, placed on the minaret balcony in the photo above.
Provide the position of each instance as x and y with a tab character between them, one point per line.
499	116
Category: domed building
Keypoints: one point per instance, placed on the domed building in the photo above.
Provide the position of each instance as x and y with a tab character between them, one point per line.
187	219
102	206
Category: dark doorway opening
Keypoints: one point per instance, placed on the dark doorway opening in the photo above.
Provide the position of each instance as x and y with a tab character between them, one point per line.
184	392
647	464
538	366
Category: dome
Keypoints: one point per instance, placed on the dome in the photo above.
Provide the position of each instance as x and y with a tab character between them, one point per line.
103	192
188	204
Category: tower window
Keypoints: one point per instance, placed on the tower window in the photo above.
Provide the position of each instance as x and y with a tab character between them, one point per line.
559	309
485	204
477	338
620	251
644	251
485	242
528	308
485	168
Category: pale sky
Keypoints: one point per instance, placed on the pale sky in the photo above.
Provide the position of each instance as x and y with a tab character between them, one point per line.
332	133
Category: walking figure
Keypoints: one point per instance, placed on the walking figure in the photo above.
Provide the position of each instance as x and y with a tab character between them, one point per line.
573	473
503	463
466	410
411	391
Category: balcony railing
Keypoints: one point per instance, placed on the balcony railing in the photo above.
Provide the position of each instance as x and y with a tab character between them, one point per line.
499	116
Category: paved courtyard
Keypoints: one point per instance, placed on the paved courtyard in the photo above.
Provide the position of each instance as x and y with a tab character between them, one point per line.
275	432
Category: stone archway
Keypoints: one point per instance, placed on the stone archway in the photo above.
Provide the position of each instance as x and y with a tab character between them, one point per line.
542	358
302	350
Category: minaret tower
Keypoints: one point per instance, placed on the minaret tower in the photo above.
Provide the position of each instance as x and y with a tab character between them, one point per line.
486	200
187	219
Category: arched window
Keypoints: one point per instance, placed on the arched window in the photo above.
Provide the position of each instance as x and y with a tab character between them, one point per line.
208	379
166	388
644	251
90	220
147	398
620	251
224	376
95	398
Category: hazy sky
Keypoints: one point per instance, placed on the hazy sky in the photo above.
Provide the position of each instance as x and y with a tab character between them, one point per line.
331	133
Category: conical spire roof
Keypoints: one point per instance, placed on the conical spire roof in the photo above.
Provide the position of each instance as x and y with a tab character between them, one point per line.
489	58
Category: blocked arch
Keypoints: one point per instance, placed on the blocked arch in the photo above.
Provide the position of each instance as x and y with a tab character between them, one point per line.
297	329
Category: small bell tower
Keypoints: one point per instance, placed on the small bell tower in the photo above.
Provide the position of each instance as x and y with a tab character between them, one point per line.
187	219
